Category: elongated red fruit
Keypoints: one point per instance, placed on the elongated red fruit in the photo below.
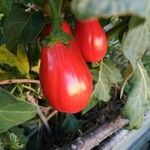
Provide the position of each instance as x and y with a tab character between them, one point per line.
65	78
91	39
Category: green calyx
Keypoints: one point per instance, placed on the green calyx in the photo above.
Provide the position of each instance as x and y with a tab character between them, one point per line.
57	36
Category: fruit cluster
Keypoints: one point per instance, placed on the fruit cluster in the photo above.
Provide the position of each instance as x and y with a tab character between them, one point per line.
64	75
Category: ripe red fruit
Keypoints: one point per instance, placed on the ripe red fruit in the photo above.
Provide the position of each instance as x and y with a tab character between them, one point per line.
65	78
91	39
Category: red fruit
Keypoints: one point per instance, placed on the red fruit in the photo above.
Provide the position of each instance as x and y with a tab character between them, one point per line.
48	29
91	39
65	79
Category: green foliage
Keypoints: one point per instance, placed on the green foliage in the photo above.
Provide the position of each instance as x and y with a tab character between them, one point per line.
138	100
93	8
12	111
146	63
15	138
108	75
21	26
128	45
1	144
70	123
37	2
91	104
5	6
134	47
2	40
137	39
15	65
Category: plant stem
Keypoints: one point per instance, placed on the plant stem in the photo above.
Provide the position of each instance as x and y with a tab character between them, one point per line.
13	81
57	35
47	9
56	21
60	6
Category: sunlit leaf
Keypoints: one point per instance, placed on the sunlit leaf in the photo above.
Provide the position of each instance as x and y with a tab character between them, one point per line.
138	102
5	6
108	75
12	111
16	65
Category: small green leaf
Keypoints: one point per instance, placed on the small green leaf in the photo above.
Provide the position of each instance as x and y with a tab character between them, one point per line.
108	75
16	65
16	138
21	26
92	103
138	102
106	8
1	15
23	59
137	39
12	111
70	123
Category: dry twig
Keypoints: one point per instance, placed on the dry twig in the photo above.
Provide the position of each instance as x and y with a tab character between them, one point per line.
13	81
32	100
92	139
44	119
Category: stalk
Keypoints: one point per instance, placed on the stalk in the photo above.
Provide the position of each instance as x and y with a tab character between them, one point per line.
56	20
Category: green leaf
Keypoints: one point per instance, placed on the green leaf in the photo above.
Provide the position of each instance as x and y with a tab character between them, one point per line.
16	65
2	130
37	2
5	6
138	102
2	40
92	103
137	39
106	8
16	138
70	123
95	74
108	75
146	63
1	15
22	26
5	75
12	111
34	53
1	144
23	59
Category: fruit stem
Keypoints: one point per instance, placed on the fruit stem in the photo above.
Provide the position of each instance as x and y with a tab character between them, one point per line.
56	21
57	35
60	6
